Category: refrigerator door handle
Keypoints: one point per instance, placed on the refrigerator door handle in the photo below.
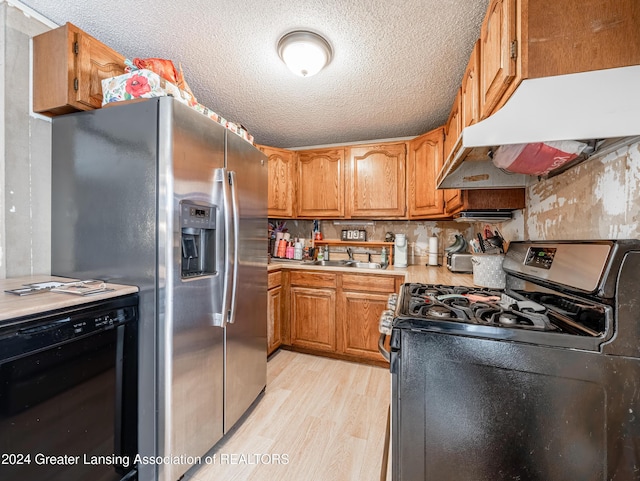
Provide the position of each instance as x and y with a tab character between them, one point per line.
220	318
236	247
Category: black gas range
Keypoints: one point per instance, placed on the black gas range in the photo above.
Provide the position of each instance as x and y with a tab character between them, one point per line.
539	381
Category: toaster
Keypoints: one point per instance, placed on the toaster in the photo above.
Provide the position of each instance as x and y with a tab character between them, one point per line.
459	263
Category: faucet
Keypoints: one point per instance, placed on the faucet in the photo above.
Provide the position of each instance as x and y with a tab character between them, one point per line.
350	253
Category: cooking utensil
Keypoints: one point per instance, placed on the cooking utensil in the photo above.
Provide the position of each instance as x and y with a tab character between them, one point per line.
481	241
495	241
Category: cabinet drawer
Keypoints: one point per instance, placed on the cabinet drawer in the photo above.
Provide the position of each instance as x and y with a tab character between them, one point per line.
274	279
375	283
312	279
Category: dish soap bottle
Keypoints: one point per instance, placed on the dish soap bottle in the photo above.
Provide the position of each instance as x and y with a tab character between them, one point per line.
383	257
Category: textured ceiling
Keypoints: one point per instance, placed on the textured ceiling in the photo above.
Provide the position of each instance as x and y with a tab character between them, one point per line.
396	68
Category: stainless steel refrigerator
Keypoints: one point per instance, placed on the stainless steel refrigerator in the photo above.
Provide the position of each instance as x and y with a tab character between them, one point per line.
157	195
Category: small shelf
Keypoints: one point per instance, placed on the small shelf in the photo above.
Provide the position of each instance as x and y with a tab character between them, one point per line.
341	243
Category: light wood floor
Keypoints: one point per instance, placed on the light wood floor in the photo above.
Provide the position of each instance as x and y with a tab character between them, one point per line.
327	416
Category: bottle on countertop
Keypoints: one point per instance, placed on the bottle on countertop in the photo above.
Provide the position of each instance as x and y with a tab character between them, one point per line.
326	253
383	257
289	251
297	250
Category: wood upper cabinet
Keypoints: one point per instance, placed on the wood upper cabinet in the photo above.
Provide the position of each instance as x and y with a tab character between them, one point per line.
68	68
281	193
376	181
470	90
497	53
525	39
424	162
453	197
320	183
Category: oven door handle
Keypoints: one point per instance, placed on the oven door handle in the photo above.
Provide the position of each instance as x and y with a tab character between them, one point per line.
386	354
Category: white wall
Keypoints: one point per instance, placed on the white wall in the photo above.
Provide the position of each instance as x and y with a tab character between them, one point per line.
25	153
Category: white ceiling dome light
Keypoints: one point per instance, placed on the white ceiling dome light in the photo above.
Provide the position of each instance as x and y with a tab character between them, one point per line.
304	52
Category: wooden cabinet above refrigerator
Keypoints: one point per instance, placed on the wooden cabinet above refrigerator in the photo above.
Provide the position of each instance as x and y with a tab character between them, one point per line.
68	68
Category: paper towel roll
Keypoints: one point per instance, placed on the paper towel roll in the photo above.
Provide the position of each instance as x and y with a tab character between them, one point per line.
433	251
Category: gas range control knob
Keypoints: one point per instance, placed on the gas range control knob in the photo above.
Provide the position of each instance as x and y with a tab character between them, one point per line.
386	322
392	302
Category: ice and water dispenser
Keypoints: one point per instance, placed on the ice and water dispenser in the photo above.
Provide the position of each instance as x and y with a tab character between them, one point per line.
198	238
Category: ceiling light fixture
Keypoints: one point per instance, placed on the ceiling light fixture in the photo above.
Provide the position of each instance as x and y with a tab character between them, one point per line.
304	52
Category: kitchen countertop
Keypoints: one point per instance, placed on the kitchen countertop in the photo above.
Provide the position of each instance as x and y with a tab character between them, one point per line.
419	273
13	306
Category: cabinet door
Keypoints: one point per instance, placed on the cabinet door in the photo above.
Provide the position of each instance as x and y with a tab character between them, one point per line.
313	318
281	167
497	55
376	181
274	319
359	316
454	201
94	62
453	197
68	68
471	89
424	164
320	187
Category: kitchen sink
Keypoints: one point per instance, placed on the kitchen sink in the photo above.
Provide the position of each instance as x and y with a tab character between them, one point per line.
342	263
346	263
366	265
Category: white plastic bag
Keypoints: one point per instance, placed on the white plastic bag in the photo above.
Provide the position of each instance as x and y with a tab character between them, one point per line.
538	158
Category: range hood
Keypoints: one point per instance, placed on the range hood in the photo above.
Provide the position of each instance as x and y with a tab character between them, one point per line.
588	106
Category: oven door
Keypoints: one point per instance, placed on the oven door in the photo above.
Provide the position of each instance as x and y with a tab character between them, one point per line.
466	408
68	410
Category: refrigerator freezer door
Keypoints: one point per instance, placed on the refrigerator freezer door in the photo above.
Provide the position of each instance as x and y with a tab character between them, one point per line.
246	336
190	352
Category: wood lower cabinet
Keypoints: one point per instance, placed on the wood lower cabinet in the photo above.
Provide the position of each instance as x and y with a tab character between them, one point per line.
312	323
281	175
361	300
360	315
275	300
313	318
68	68
376	184
320	183
337	314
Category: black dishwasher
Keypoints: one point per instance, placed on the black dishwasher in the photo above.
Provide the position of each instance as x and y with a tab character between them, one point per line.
68	393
